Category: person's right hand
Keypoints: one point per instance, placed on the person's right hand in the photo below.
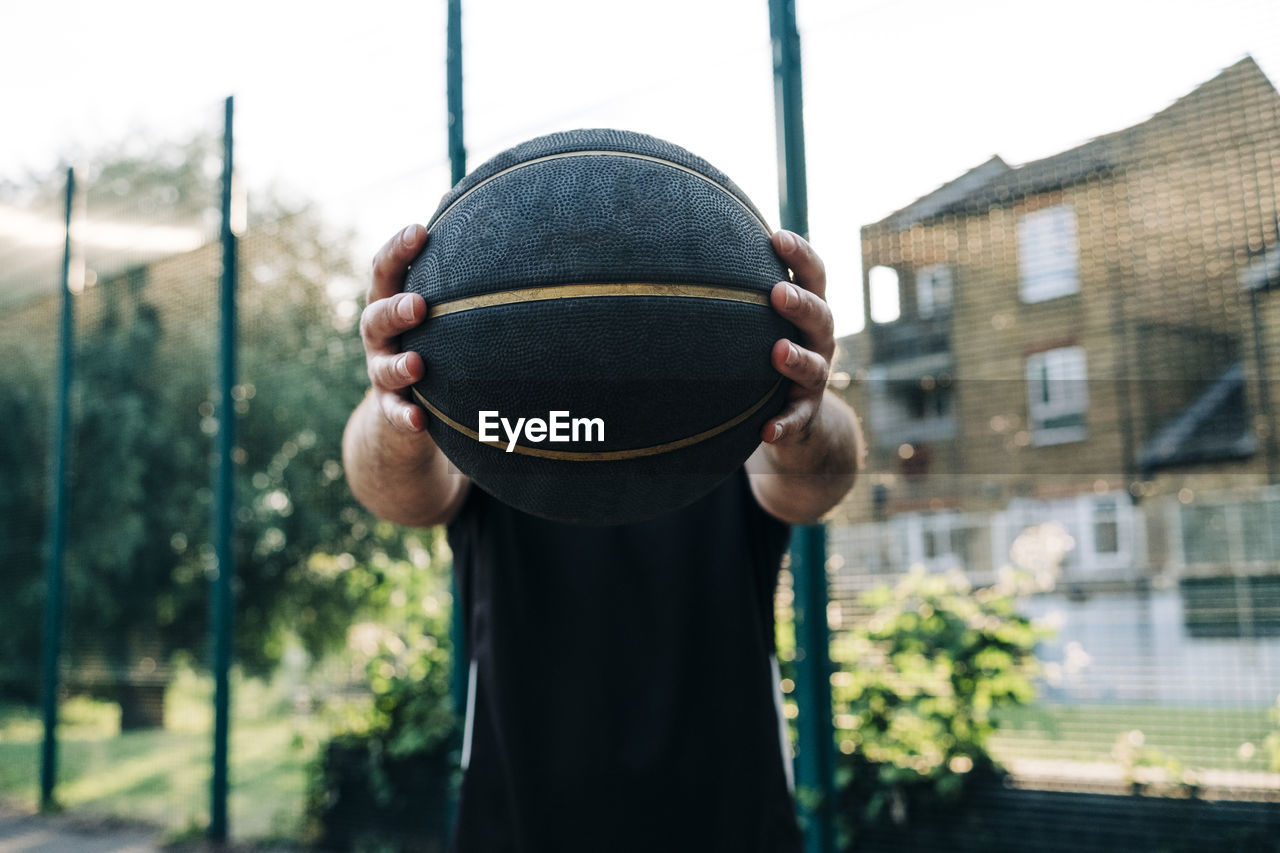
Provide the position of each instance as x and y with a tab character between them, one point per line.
389	313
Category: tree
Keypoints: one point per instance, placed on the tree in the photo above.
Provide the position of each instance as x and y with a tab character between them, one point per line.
23	494
138	552
135	472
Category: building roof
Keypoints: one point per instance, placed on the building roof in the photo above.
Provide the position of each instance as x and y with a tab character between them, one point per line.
949	194
995	183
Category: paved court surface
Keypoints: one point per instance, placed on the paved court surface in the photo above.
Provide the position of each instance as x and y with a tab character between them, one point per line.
22	832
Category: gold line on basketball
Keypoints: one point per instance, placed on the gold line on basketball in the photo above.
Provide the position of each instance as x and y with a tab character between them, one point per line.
589	291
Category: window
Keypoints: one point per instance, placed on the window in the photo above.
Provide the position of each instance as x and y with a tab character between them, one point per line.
1218	532
938	540
924	399
933	290
1048	254
911	402
1057	396
1106	527
1239	606
885	298
1103	529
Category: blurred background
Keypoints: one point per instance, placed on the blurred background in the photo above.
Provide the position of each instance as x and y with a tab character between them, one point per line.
1051	237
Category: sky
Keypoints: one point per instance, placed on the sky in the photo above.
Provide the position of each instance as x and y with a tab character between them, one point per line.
344	105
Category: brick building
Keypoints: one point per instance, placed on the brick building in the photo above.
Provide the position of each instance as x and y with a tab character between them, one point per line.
1092	338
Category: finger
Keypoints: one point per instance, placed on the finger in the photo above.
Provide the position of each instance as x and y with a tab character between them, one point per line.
808	312
803	366
792	422
810	273
382	320
392	261
400	413
395	372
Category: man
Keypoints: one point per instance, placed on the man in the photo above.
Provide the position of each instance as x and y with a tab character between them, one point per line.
623	693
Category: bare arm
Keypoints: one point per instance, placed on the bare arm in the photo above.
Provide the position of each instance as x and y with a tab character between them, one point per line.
392	465
813	450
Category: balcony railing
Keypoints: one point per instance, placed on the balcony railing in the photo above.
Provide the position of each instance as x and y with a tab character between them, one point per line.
909	338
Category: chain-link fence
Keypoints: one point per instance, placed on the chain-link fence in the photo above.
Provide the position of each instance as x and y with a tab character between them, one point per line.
1054	592
1068	368
326	598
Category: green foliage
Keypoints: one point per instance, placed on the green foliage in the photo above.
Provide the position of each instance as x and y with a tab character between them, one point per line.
302	372
384	779
24	405
932	664
1142	763
405	652
143	175
139	556
133	470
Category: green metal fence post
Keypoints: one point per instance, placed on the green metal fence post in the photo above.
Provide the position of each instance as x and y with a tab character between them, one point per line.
815	752
459	676
815	755
56	535
453	86
224	502
788	105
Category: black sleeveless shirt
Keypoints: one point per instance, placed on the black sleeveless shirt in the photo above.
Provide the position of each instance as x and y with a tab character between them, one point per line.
623	694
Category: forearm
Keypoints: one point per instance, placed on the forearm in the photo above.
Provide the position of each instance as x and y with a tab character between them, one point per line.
400	476
801	480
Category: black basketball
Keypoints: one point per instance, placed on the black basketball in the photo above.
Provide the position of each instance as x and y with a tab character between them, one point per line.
615	288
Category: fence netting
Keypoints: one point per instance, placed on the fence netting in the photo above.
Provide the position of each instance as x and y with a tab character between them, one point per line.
332	608
1062	570
1054	591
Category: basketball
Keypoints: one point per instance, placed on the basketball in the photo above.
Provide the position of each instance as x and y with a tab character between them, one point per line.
598	338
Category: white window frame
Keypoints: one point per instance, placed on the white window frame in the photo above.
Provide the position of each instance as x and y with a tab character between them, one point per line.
1230	504
1048	254
944	523
933	290
1057	387
1127	533
1077	515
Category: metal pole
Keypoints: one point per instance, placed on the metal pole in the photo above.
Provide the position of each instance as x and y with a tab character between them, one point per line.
453	86
457	169
224	502
57	532
788	103
815	750
815	753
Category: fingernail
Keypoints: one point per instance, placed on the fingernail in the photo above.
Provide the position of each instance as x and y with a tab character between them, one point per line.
403	366
777	431
788	241
793	355
411	234
405	308
792	298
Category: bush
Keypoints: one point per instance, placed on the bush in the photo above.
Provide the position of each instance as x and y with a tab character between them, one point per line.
932	664
384	782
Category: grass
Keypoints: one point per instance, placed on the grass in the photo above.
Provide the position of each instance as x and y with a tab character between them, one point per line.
1201	738
162	776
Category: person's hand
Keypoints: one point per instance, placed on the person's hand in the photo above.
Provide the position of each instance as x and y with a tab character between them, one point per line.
391	312
806	362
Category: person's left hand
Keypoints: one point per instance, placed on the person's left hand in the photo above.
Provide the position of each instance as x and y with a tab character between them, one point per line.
806	362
